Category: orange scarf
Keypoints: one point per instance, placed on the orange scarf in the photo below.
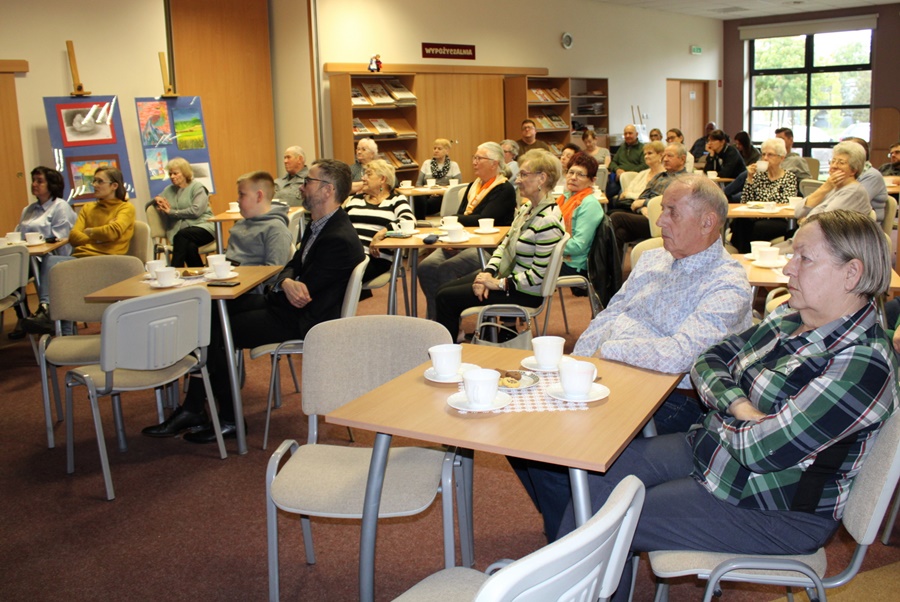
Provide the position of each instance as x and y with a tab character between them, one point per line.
478	190
568	206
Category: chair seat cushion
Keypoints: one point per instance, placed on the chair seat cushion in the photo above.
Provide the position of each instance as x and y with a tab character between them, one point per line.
7	302
449	585
294	348
135	380
73	350
330	480
685	562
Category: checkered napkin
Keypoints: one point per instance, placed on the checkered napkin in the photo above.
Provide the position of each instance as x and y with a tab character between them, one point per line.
536	398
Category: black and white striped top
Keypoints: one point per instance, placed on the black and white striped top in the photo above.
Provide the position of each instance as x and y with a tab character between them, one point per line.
369	219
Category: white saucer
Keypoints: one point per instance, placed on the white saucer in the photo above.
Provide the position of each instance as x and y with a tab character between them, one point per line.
596	393
410	232
531	363
231	274
769	210
464	239
34	244
433	377
156	284
488	231
459	401
230	211
780	263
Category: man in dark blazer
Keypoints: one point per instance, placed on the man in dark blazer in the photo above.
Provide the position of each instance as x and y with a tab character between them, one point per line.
310	289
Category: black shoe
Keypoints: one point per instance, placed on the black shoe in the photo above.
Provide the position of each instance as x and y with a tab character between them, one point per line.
208	434
180	421
18	332
40	322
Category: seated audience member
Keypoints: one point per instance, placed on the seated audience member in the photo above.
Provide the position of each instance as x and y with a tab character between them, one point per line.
377	209
634	225
103	227
792	407
262	236
601	154
841	190
653	152
366	150
723	158
442	169
872	180
774	185
184	206
490	195
309	290
892	167
655	135
518	266
699	147
50	216
630	156
565	156
748	152
529	138
581	212
288	187
510	152
677	302
793	162
674	136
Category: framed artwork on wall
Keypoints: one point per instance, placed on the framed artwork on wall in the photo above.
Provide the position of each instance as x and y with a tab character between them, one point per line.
80	173
79	126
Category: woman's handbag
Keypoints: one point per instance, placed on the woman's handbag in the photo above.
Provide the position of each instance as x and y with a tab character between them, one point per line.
497	334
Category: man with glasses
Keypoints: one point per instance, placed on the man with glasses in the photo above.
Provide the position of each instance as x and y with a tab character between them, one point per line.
309	290
893	167
529	138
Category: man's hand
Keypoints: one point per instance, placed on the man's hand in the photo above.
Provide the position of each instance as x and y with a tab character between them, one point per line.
619	173
742	409
296	292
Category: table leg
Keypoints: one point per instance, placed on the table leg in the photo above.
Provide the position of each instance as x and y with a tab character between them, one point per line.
482	257
581	496
233	376
392	287
414	282
371	504
219	238
36	271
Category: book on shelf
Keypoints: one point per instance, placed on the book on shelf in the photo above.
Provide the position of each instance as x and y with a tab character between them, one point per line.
555	120
541	95
359	129
382	128
557	95
402	159
543	122
358	98
400	92
377	93
556	148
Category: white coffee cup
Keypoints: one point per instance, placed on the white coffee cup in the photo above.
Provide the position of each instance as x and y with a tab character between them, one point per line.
576	378
548	351
796	201
13	237
448	220
406	184
154	265
768	254
234	207
481	386
454	181
762	166
215	258
446	359
756	245
712	174
486	223
3	241
166	276
34	238
455	232
222	269
431	182
407	226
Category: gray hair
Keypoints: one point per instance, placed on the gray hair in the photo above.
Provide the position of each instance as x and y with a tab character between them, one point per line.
295	151
679	149
494	153
513	146
704	194
382	168
775	145
856	155
369	144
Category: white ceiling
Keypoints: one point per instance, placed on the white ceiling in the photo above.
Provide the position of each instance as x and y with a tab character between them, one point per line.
743	9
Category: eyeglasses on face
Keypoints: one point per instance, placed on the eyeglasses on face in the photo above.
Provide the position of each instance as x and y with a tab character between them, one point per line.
309	179
839	162
477	158
525	174
96	181
576	174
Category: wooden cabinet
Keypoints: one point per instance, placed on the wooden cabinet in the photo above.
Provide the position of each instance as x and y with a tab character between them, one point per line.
589	98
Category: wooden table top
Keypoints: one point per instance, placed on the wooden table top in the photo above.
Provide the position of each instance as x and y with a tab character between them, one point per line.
416	242
411	406
736	210
45	248
137	286
772	277
422	190
228	216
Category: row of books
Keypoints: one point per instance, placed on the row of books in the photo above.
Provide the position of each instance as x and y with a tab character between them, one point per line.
385	92
379	127
546	95
399	159
548	119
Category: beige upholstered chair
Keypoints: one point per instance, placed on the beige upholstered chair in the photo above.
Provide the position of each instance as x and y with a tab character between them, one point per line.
13	277
809	186
141	245
70	281
584	565
161	244
330	480
146	343
452	200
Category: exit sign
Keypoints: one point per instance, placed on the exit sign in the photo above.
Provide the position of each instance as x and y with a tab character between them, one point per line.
696	50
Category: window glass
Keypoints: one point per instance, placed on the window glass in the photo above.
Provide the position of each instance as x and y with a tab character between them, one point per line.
779	90
843	48
780	53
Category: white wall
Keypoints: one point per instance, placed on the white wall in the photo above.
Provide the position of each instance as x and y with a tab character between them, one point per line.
117	49
636	49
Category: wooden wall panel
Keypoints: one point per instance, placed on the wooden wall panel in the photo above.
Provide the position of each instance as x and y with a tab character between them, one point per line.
13	195
220	50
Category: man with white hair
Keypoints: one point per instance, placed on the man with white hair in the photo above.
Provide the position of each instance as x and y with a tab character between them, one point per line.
288	187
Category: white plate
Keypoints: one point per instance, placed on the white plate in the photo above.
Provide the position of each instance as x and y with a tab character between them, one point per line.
749	256
596	393
34	244
231	274
531	363
155	284
465	238
459	401
410	232
780	263
488	231
529	379
770	210
431	375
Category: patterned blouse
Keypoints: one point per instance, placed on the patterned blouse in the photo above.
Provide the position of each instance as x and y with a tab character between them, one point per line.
761	188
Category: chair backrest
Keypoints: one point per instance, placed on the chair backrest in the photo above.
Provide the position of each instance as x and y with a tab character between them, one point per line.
644	245
809	186
813	166
583	565
874	486
548	285
296	225
626	178
338	360
155	221
13	269
890	214
654	210
452	199
354	286
604	266
154	331
141	245
70	281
